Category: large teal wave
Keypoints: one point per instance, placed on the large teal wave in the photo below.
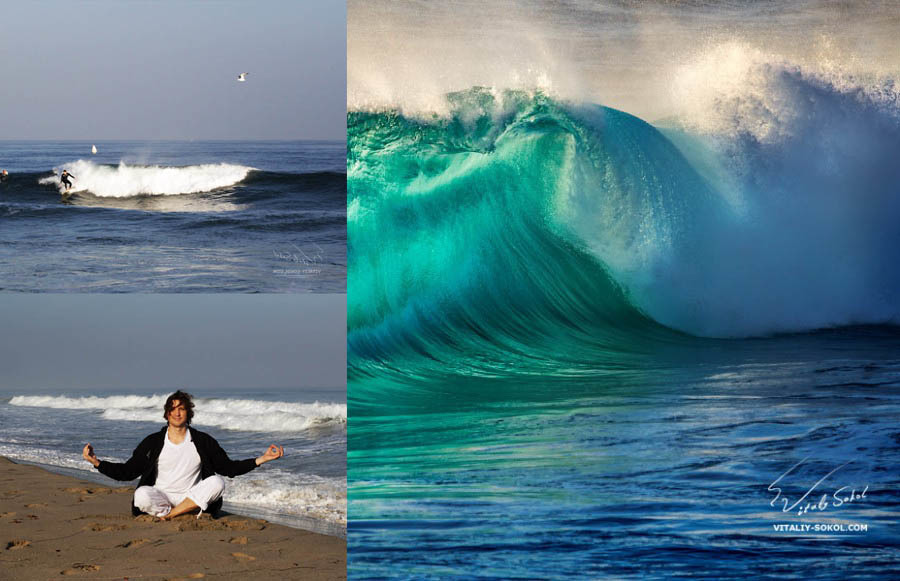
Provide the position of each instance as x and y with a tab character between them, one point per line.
523	235
464	249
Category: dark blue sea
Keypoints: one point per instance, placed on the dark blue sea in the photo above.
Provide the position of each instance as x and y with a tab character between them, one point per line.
174	216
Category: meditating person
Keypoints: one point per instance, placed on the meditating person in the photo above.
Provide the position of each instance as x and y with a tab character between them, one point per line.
179	466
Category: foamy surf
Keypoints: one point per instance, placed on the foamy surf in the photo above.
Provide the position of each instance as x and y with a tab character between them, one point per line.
303	495
240	415
124	180
276	491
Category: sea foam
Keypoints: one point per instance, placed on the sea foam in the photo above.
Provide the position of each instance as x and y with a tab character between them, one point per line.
230	414
771	209
130	180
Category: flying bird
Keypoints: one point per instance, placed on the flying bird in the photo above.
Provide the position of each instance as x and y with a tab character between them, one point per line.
242	77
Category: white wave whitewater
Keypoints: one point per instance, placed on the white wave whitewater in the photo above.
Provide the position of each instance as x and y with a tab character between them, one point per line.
304	495
123	181
778	210
276	491
240	415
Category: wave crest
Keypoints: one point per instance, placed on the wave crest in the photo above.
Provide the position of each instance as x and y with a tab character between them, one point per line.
517	216
229	414
123	180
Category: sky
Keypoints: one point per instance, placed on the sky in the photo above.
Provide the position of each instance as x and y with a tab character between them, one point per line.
156	342
167	69
632	55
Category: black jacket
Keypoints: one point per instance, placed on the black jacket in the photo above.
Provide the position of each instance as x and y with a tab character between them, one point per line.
143	463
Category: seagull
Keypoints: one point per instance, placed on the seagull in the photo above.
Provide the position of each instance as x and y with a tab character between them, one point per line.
242	77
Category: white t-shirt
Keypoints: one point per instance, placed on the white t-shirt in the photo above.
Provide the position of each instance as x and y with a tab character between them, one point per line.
178	466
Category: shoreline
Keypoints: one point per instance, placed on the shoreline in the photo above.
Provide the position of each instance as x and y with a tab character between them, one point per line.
54	525
311	525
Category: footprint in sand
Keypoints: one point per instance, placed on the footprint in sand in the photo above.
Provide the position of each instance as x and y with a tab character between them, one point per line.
246	524
33	516
80	490
239	540
97	527
36	505
80	568
243	557
7	514
14	545
77	490
133	544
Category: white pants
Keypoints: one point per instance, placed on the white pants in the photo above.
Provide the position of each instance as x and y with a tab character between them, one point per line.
158	503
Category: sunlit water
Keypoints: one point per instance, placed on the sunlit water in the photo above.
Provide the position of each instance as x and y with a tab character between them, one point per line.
174	217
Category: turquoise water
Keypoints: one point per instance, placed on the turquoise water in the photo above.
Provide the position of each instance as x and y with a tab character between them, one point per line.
583	345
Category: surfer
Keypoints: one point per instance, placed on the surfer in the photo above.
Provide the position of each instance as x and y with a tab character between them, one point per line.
64	178
179	466
4	175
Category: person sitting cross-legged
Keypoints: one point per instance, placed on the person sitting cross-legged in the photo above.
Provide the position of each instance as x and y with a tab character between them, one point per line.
179	466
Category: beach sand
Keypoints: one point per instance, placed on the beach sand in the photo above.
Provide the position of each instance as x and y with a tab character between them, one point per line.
57	527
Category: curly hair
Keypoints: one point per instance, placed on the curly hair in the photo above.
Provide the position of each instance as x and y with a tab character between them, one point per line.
186	399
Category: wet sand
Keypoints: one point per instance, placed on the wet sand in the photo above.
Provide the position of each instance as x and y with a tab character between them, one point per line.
54	526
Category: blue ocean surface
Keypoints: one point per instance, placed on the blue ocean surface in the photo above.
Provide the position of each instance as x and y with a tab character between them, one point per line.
698	462
304	489
174	216
582	345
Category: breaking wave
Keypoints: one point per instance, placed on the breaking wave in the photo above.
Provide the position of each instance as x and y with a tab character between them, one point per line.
519	225
124	181
229	414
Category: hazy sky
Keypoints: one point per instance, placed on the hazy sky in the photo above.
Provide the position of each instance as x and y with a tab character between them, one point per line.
629	54
158	342
167	69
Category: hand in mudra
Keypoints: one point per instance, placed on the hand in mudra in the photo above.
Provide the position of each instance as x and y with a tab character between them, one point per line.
88	454
273	453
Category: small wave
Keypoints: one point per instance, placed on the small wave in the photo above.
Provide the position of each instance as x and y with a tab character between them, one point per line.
298	495
124	181
89	402
292	494
45	456
242	415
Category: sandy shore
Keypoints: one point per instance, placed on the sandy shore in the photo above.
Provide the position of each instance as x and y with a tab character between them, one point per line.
54	526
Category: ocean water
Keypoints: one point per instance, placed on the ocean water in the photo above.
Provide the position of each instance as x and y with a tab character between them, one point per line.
585	345
667	467
183	216
304	489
